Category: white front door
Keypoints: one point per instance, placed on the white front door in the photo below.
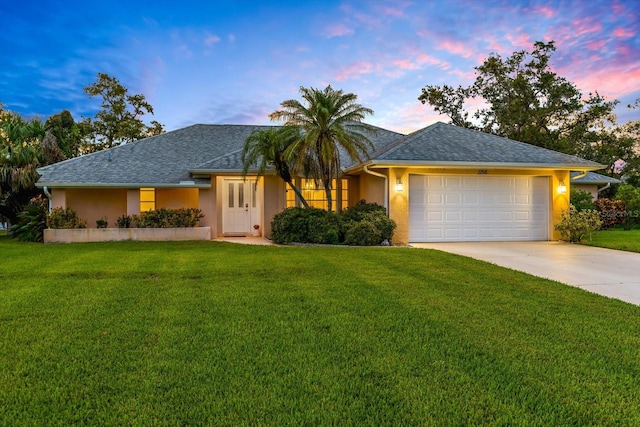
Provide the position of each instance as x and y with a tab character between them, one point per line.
236	214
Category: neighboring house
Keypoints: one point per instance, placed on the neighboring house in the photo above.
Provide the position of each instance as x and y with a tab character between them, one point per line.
441	183
592	182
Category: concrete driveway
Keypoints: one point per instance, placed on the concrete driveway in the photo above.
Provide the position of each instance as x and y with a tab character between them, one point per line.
607	272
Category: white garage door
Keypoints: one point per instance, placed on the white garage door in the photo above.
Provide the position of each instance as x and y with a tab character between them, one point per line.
478	208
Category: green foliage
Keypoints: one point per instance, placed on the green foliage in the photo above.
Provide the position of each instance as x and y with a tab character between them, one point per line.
32	221
119	119
581	200
124	221
612	212
102	223
575	225
330	121
67	133
365	224
169	218
528	102
66	218
266	148
630	197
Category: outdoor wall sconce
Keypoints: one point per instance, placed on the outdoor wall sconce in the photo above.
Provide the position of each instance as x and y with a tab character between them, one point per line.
562	188
399	185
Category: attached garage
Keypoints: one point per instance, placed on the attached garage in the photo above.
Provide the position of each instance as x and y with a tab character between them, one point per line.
463	208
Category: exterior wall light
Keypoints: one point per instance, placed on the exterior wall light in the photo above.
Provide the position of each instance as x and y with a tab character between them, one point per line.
562	188
399	185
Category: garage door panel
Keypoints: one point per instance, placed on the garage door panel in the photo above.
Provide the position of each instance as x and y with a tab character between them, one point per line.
467	208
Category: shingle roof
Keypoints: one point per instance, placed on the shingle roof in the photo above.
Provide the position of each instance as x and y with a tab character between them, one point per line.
442	143
173	158
593	178
162	160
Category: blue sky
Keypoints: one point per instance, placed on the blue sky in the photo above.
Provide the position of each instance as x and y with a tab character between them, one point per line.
235	61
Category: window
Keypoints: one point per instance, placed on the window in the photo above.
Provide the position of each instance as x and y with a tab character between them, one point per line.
147	199
316	196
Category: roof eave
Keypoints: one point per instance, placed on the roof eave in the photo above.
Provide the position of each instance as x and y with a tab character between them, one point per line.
481	165
129	185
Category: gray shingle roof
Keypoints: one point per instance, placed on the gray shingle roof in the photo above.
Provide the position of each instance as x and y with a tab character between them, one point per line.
162	160
173	158
593	178
447	144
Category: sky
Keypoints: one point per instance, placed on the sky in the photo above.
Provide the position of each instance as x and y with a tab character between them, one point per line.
234	61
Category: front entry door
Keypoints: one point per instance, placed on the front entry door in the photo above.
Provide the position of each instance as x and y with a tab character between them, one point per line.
236	212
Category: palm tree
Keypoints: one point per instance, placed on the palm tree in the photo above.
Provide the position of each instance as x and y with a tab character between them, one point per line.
330	121
266	148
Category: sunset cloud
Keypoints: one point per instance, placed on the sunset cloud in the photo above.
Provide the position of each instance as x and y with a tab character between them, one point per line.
354	70
338	30
623	32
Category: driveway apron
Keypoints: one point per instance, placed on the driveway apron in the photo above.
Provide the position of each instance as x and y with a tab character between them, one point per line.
614	274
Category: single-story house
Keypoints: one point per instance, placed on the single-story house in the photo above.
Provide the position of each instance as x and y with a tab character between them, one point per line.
592	182
440	183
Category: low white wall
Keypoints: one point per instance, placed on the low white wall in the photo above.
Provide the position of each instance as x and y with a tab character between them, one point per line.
80	235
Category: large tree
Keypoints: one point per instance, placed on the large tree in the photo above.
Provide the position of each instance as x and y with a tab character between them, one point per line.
330	121
526	101
119	121
266	148
67	132
25	145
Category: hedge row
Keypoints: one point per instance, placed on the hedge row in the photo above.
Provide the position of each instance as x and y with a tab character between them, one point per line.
365	224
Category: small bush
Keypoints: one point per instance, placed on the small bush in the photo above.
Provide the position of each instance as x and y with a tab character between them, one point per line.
362	233
124	221
612	212
582	200
169	218
32	221
66	218
630	198
102	222
575	225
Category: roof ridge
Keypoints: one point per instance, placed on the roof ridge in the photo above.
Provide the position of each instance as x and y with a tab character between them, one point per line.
396	145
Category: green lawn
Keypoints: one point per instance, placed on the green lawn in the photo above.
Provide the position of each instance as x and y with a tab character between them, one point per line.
616	238
200	333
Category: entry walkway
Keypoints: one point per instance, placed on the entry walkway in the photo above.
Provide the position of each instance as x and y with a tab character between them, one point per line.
607	272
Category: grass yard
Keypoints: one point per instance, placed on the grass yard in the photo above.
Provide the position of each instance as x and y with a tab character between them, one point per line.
197	333
616	238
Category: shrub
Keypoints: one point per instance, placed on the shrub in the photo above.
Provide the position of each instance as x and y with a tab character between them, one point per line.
302	225
630	197
612	212
102	222
60	218
32	221
313	225
575	225
582	200
169	218
124	221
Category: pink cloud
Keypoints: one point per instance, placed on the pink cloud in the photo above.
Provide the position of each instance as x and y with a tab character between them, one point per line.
337	30
623	32
544	10
353	70
211	39
596	44
456	48
585	26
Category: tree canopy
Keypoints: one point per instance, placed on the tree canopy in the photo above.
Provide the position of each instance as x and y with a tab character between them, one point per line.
526	101
329	121
267	148
119	121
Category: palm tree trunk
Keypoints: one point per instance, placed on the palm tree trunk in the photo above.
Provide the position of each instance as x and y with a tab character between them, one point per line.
327	191
298	194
